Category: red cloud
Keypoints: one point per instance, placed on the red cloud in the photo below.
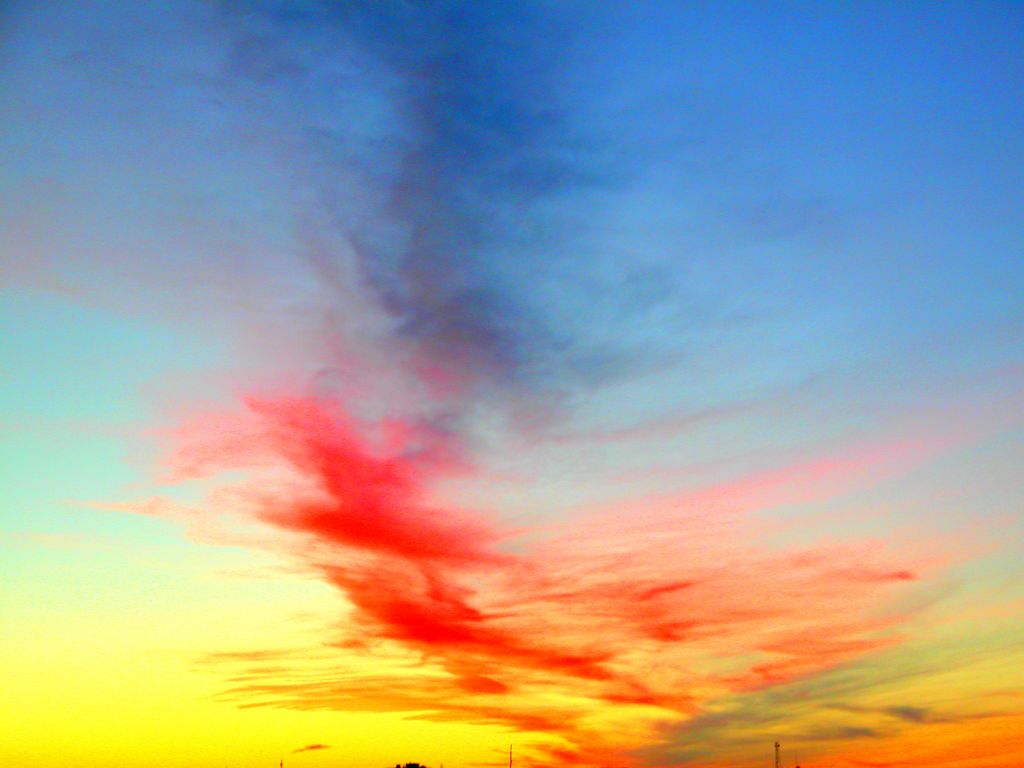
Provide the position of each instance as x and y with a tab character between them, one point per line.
636	605
352	495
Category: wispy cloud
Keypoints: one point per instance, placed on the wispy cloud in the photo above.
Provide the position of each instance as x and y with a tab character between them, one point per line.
311	748
650	606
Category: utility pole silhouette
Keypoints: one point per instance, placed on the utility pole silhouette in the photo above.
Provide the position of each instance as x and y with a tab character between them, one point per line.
509	756
777	763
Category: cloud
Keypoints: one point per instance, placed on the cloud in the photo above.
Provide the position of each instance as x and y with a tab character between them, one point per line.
817	714
636	606
447	136
311	748
451	190
910	714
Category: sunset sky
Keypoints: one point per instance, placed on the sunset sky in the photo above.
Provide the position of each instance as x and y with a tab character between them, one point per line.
633	383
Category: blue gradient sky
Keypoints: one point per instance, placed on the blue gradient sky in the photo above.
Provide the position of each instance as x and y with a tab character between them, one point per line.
589	262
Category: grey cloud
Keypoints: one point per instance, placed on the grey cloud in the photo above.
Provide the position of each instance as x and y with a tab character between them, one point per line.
474	139
519	217
750	720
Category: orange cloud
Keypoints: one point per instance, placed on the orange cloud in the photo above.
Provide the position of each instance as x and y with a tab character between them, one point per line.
646	608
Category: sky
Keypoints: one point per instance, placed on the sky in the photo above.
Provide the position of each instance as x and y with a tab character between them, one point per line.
634	384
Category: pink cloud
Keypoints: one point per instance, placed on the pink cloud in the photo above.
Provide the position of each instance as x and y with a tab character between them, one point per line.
636	604
311	748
